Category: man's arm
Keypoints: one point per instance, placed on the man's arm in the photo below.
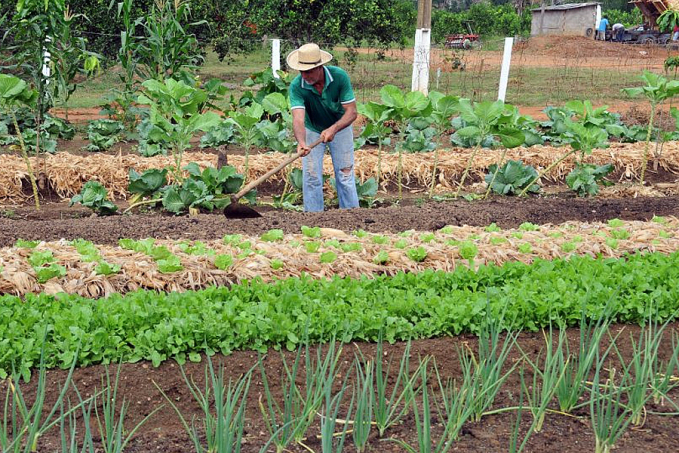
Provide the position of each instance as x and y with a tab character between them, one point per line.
299	130
350	114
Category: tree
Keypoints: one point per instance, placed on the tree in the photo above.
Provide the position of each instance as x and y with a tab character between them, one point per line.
330	22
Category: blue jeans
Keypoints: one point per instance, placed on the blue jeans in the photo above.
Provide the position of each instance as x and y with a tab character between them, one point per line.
342	154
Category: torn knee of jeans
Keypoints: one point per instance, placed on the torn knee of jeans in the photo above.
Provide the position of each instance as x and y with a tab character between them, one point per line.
346	171
311	174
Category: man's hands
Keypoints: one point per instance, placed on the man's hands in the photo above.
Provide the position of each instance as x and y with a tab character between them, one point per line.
328	134
303	149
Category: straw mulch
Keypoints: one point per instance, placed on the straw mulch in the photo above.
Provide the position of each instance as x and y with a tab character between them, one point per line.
66	173
139	271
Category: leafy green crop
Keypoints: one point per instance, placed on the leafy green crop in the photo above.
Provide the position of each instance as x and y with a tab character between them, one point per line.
381	258
512	178
103	134
169	264
207	189
528	226
468	250
328	257
44	265
223	262
583	178
351	246
104	268
147	325
417	254
272	235
95	196
311	232
21	243
312	246
146	184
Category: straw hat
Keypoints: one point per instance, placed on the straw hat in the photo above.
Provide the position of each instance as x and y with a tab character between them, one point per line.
307	57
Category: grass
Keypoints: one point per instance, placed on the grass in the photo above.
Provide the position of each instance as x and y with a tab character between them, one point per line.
370	71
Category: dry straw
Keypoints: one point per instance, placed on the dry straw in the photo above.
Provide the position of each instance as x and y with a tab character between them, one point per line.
65	173
443	248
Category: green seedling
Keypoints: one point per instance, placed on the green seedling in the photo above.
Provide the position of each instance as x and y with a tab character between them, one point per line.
657	90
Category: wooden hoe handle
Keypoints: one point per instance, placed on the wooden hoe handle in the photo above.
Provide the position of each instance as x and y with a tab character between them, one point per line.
271	172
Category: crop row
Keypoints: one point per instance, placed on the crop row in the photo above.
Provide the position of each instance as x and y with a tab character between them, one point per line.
607	383
147	325
81	267
66	173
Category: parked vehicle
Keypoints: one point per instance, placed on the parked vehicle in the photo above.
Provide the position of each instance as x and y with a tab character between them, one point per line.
462	40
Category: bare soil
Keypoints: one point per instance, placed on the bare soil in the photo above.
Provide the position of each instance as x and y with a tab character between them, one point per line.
56	220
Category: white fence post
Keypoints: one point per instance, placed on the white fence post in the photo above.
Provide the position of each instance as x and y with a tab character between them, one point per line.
46	56
275	56
504	72
421	60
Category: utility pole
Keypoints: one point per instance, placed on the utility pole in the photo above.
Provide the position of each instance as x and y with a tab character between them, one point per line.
422	47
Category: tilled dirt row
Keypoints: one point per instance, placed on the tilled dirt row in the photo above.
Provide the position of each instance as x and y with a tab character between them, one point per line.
506	212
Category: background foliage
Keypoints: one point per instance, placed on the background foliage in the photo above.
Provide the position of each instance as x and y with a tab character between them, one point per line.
234	26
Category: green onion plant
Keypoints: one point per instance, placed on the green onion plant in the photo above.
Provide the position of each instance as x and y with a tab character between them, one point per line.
223	407
365	372
578	365
110	419
609	416
546	377
22	423
390	408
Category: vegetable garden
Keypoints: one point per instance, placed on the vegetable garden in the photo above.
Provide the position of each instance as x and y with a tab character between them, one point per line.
508	283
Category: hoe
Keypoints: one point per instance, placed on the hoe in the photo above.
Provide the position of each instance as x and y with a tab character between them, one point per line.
235	210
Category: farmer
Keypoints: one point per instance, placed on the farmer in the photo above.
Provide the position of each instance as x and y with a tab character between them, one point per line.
601	31
618	30
323	106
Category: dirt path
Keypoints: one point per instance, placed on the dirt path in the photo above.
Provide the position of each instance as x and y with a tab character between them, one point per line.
52	223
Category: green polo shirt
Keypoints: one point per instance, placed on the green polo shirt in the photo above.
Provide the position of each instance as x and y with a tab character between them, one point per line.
322	110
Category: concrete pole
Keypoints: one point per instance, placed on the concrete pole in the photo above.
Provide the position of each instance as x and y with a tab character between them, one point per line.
275	56
421	53
504	72
46	57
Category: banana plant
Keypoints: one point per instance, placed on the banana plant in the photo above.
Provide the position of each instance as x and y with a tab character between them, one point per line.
376	114
15	93
401	109
482	121
656	90
175	111
444	107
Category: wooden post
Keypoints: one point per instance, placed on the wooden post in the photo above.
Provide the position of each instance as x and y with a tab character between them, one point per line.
422	47
542	17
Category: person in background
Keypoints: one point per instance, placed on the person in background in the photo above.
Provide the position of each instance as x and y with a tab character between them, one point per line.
323	106
618	31
675	33
601	31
